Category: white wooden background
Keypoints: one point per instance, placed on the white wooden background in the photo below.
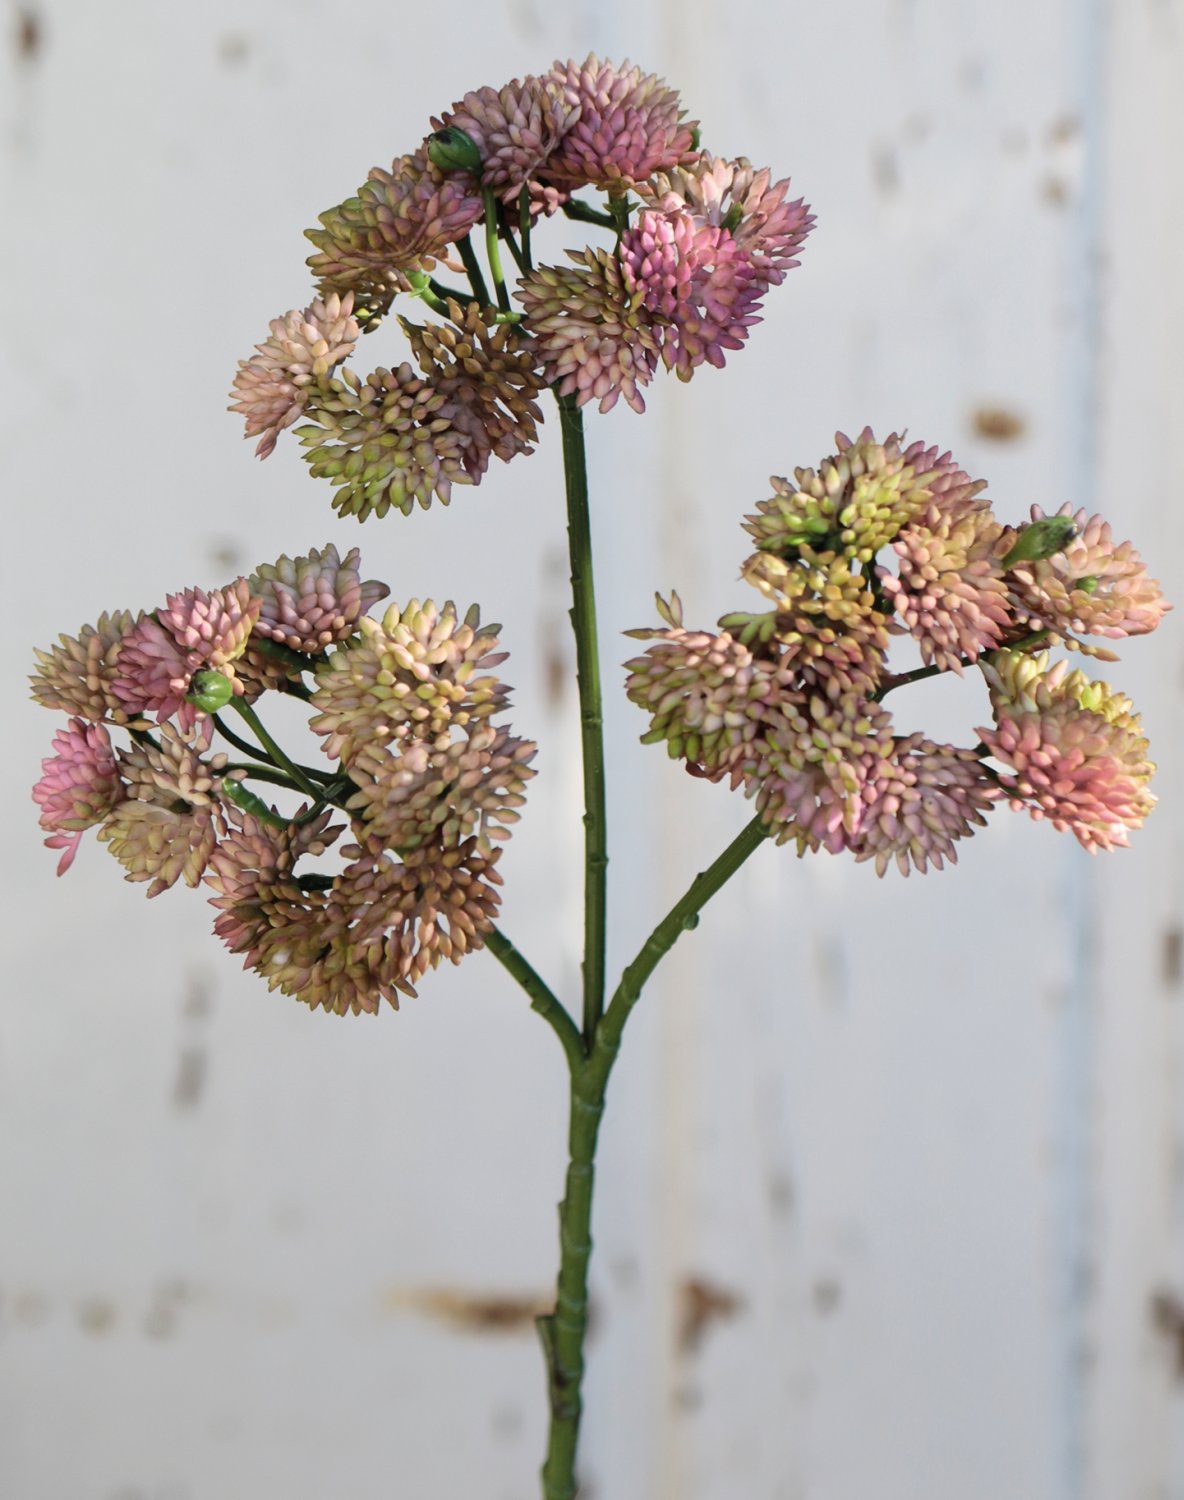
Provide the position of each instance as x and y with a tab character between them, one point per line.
892	1199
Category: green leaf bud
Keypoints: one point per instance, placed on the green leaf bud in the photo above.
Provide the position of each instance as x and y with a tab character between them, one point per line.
210	691
453	150
1041	539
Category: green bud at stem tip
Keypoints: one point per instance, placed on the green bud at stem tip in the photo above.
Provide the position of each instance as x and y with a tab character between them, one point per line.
210	691
1041	539
453	150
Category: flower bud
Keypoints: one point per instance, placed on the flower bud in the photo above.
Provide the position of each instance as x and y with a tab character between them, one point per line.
1041	539
210	691
453	150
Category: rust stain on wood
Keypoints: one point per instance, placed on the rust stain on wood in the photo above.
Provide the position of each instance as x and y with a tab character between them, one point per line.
1172	962
1167	1318
700	1305
998	424
828	1293
475	1312
28	34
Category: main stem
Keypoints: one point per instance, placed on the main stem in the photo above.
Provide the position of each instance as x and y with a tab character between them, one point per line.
592	1052
563	1331
583	619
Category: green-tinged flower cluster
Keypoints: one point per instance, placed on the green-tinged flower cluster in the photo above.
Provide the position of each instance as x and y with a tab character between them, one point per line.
405	705
697	249
888	539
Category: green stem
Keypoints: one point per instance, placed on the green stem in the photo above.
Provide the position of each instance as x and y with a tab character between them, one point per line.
524	226
682	917
542	998
583	619
473	270
447	292
508	236
492	250
584	213
563	1331
246	712
919	674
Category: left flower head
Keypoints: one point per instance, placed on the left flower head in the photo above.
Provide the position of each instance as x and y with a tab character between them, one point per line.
697	243
420	766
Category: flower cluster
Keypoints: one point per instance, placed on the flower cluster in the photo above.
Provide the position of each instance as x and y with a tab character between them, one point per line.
888	539
428	778
699	240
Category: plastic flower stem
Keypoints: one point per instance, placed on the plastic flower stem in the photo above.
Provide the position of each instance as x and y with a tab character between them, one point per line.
586	214
256	754
430	298
493	252
269	774
524	226
562	1332
445	292
682	917
277	755
542	998
583	620
473	270
508	236
918	674
237	740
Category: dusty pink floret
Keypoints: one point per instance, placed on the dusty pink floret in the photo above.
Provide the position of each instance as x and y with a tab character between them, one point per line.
949	590
400	220
1074	750
310	602
593	338
271	387
79	786
696	282
733	194
918	801
516	129
1095	586
629	125
194	631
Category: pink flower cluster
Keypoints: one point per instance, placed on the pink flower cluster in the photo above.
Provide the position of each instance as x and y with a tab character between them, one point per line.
407	706
889	539
699	241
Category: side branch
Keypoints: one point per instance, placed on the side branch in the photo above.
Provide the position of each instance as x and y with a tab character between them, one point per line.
681	917
542	997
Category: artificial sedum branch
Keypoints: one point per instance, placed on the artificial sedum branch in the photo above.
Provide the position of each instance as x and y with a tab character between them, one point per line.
885	544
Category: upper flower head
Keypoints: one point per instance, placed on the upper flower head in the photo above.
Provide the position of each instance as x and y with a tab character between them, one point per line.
859	499
697	284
